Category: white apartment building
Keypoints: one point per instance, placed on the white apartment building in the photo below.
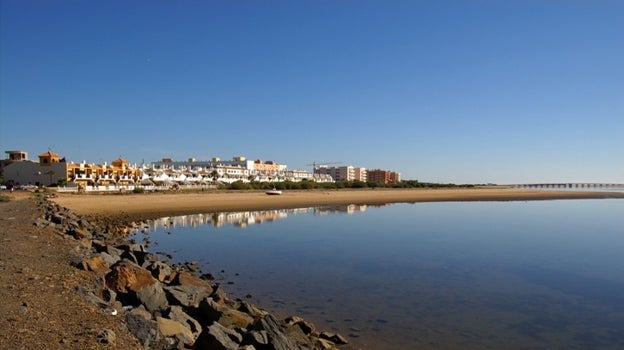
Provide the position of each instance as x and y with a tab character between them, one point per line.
342	173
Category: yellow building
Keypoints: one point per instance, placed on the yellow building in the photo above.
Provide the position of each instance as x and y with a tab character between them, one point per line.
52	169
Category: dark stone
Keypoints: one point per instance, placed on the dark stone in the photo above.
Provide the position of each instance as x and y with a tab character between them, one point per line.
207	277
187	296
146	330
275	333
218	337
153	297
259	339
160	270
176	313
333	337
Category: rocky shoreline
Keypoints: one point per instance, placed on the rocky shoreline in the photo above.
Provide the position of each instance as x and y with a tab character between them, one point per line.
169	306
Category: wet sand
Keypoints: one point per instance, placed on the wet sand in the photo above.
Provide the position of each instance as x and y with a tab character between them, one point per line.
154	205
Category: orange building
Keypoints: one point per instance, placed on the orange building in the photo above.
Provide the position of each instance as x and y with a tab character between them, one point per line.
383	176
117	173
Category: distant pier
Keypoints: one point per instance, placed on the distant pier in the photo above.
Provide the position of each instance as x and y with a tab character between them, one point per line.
570	185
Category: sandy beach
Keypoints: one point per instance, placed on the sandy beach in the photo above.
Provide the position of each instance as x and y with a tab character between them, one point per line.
154	205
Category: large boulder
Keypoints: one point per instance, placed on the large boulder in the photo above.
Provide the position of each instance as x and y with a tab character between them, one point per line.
171	328
225	315
176	313
96	264
188	279
126	276
143	327
187	296
161	271
276	334
153	297
217	337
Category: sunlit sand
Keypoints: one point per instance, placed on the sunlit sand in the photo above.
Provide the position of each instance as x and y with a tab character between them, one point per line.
153	205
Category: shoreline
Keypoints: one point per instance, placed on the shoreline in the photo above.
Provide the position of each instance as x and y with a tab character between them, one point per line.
154	205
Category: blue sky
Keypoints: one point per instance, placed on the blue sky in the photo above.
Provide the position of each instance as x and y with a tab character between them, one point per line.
445	91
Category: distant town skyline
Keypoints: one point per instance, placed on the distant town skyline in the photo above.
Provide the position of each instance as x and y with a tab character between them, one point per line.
440	91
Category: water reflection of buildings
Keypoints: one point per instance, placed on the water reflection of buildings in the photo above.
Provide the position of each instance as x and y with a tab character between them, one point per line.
244	218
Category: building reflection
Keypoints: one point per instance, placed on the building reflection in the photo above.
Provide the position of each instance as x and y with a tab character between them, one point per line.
245	218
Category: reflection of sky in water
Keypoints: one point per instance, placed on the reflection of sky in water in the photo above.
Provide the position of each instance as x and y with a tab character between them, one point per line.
513	275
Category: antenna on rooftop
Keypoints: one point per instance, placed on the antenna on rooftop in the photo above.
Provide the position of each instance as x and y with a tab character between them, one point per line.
315	164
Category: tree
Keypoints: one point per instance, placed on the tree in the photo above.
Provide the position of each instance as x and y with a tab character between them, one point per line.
215	175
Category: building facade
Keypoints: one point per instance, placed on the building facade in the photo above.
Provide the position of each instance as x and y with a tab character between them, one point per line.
20	171
342	173
52	170
383	176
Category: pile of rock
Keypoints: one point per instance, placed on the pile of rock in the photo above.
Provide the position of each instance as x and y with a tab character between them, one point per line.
168	307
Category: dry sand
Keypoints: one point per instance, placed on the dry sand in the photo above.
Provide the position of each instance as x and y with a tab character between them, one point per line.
154	205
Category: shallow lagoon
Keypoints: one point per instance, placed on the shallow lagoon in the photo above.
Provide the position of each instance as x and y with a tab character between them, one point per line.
478	275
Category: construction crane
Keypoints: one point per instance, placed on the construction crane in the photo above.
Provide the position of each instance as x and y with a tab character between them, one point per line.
315	164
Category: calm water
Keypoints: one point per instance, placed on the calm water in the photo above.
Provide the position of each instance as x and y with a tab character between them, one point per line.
479	275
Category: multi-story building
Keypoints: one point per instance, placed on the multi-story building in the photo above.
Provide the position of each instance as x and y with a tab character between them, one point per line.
119	172
298	175
383	176
51	169
239	168
19	170
342	173
359	174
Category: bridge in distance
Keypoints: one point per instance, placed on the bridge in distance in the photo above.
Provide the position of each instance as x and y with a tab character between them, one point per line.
569	185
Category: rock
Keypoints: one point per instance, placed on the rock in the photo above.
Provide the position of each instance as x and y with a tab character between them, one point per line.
256	338
79	233
275	333
226	316
130	257
170	328
153	297
176	313
232	318
145	329
125	276
207	277
218	294
324	344
296	333
333	337
132	247
109	295
141	311
252	310
292	320
188	296
41	222
160	270
90	296
107	336
218	337
57	218
110	260
95	264
306	327
113	251
149	258
187	279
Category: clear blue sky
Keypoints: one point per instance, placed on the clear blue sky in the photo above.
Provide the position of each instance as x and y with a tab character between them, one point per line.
445	91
